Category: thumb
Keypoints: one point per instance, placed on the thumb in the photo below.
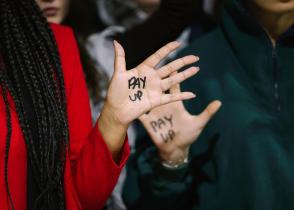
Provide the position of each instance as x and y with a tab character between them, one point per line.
208	113
119	59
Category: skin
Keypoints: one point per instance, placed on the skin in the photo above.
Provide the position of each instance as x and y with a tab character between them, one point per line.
119	111
61	6
276	16
116	115
186	127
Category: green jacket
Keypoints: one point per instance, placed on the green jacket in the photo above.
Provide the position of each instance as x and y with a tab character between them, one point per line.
244	159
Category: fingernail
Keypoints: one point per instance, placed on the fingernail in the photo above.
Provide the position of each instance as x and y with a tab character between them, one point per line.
219	103
195	58
193	95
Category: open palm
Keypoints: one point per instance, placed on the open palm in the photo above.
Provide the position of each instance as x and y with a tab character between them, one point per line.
173	129
135	92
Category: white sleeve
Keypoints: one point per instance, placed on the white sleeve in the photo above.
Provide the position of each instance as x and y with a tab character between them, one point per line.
100	48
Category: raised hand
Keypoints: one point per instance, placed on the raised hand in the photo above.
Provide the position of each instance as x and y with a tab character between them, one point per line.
135	92
173	129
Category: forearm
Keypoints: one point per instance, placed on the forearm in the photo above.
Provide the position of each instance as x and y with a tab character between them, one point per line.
113	132
94	170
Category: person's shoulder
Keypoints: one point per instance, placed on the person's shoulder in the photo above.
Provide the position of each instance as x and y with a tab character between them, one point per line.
213	49
68	51
64	36
60	31
211	43
66	42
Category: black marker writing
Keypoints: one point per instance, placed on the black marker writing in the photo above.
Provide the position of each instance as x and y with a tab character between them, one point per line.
137	95
169	119
162	122
168	136
161	125
137	83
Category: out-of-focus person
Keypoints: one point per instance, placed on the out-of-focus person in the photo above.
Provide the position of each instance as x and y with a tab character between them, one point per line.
165	19
243	158
52	157
154	21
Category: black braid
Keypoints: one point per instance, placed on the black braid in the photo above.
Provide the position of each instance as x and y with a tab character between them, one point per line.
9	132
30	53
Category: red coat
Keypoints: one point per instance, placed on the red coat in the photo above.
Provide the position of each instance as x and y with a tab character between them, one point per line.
90	172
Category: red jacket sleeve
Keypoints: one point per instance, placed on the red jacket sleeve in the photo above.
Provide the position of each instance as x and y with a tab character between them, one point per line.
94	172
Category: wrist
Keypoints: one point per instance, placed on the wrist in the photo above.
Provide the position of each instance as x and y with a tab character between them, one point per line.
175	164
112	130
175	159
108	114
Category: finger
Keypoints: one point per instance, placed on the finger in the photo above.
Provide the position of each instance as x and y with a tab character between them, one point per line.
178	78
119	60
176	65
208	113
159	55
145	117
169	98
175	89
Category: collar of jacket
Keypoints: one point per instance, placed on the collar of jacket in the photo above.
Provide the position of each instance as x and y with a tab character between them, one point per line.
263	63
247	36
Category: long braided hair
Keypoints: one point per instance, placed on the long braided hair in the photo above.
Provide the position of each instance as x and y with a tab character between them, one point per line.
29	53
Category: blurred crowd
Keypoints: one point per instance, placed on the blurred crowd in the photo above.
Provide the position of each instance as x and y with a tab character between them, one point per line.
243	57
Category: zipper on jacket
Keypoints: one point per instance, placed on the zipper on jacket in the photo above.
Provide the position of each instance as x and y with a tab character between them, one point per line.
275	81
